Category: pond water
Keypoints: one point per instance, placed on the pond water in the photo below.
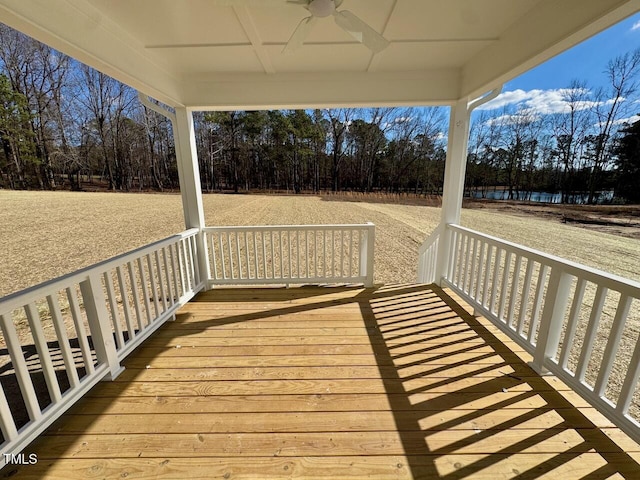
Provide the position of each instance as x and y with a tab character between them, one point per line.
543	197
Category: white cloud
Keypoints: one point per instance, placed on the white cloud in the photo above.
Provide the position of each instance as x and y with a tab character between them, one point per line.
627	121
543	102
636	26
520	118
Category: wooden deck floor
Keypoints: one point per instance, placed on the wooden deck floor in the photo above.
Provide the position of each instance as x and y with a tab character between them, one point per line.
395	382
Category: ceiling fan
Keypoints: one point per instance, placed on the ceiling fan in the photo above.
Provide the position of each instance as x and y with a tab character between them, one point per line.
346	20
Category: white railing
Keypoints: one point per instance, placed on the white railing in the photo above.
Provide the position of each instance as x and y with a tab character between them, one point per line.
579	323
65	335
428	257
285	254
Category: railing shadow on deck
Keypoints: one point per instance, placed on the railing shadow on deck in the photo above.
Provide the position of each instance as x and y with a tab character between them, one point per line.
411	412
387	311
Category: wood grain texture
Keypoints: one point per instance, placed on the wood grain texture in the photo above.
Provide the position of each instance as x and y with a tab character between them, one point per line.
310	382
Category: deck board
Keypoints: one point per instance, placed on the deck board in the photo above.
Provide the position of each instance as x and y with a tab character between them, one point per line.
315	382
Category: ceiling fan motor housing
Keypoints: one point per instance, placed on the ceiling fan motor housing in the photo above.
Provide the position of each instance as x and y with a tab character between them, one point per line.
322	8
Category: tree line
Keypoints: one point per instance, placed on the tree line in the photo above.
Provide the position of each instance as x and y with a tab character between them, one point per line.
63	124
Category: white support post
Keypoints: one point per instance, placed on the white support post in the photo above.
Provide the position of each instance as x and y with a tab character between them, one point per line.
555	306
190	188
99	325
454	174
367	251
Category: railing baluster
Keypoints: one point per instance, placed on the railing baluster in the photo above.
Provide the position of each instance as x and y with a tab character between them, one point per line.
514	291
167	275
195	263
232	268
524	301
264	255
175	268
163	292
351	259
630	382
537	302
487	273
307	269
453	264
479	276
113	305
222	257
298	253
333	253
237	235
153	286
467	263
316	255
7	424
494	280
289	254
247	254
145	292
460	259
134	292
341	272
255	256
273	255
87	358
125	302
214	256
572	324
33	318
20	366
590	335
324	253
63	340
505	281
281	255
472	272
613	342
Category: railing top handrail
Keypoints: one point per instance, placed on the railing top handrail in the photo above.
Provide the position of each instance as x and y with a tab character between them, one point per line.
547	259
15	300
353	226
425	245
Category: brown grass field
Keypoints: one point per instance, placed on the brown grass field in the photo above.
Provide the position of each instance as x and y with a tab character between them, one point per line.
48	234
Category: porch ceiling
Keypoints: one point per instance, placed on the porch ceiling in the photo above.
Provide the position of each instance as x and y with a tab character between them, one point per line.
201	54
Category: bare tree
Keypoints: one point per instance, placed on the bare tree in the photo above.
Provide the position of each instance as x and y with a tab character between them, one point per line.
610	106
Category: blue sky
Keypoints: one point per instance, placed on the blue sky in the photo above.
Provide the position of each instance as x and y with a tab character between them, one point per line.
540	90
585	61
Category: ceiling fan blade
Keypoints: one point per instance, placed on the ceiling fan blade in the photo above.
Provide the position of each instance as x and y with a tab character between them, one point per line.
361	31
348	26
258	3
300	34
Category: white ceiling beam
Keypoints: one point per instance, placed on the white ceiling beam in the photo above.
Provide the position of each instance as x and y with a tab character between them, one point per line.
320	90
79	30
375	59
245	19
552	27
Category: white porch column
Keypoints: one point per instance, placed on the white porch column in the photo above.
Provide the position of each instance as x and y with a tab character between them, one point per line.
188	171
454	174
189	176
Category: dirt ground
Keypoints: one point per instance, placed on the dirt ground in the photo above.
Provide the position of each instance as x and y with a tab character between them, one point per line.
621	220
47	234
